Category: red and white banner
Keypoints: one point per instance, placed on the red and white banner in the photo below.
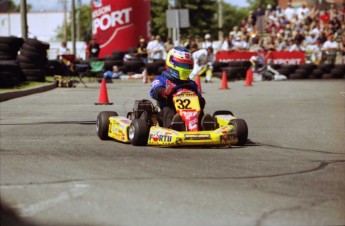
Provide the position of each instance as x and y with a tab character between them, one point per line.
274	57
118	24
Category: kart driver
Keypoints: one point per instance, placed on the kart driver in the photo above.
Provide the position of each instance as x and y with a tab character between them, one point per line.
179	65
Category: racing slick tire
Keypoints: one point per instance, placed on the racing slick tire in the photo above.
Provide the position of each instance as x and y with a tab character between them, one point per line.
102	124
241	129
138	132
222	112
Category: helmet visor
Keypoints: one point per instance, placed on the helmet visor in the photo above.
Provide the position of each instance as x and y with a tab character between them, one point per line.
181	63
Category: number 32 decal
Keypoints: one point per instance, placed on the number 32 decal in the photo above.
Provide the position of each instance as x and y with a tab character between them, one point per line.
183	104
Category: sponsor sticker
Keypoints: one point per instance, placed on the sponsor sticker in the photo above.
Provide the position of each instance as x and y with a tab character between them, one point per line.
197	136
160	138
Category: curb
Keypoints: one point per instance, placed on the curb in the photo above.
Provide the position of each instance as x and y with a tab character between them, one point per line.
15	94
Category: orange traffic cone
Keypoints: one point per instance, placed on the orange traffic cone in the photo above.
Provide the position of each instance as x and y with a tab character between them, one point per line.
249	77
145	76
224	84
103	95
197	80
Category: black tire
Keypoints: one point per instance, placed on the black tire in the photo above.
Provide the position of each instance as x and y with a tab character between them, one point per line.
326	68
31	54
241	129
301	71
34	75
37	43
222	112
138	132
327	76
337	73
235	64
308	67
117	55
133	66
102	124
339	66
233	73
218	66
297	76
37	49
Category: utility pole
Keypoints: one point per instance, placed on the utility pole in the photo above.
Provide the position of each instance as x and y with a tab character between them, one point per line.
65	19
23	13
78	19
73	28
220	19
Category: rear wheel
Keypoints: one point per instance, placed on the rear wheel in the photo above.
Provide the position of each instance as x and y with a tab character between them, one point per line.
138	132
241	129
102	125
223	112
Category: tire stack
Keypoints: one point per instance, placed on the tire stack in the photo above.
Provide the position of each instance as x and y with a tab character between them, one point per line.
154	67
218	68
10	73
303	71
332	71
237	70
134	65
33	59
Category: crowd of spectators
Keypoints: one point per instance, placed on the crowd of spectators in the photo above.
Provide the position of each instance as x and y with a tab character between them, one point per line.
320	33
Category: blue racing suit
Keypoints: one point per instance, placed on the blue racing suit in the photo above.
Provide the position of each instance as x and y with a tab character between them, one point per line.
162	88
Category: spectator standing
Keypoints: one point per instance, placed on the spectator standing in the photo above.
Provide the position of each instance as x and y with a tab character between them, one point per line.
203	59
342	49
142	50
63	50
208	42
313	51
168	45
227	45
303	12
289	12
311	38
93	49
155	49
296	46
329	49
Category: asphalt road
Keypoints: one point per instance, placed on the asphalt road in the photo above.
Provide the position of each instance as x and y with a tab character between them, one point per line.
54	170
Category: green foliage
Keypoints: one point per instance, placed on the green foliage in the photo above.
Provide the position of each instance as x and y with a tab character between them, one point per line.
254	4
85	23
199	16
233	16
12	7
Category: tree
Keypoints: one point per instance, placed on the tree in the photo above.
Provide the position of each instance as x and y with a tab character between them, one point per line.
261	3
202	14
84	23
233	16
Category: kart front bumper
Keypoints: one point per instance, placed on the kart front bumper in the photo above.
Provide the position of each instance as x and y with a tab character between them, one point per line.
225	135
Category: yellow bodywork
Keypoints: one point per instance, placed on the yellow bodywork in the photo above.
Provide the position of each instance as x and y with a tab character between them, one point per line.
224	135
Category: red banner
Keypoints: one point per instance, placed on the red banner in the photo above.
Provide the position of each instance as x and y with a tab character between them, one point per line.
118	24
274	57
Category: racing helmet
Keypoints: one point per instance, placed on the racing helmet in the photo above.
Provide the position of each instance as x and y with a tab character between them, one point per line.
179	63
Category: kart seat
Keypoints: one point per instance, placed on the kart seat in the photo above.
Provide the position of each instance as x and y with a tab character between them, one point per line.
177	123
208	122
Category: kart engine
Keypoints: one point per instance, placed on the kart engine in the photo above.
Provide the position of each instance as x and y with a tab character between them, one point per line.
141	106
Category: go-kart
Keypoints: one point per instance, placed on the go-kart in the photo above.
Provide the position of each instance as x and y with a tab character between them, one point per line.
143	127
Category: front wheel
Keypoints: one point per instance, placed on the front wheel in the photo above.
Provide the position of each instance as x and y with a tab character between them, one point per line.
241	130
138	132
102	124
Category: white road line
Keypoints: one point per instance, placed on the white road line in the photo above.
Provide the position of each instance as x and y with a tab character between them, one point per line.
35	208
